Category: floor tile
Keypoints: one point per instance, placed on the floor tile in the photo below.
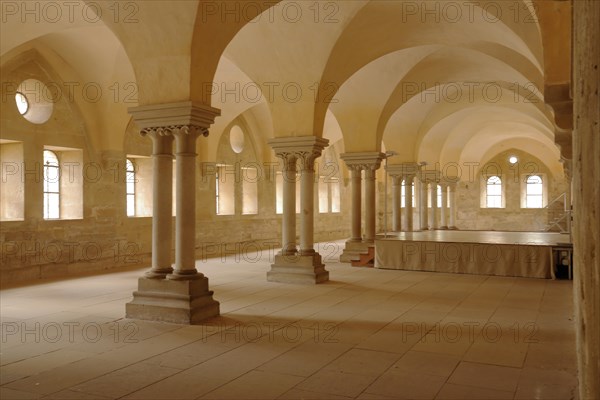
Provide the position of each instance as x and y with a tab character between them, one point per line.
486	376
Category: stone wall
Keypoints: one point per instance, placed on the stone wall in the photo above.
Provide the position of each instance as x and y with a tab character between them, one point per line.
105	238
586	194
470	195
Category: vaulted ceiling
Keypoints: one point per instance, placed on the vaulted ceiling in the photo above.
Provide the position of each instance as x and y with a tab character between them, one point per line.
437	81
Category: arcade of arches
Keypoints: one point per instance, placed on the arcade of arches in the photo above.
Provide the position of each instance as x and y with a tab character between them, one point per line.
159	133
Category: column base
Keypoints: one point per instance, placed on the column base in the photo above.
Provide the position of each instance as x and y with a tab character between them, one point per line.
298	269
176	301
158	273
452	228
443	228
353	250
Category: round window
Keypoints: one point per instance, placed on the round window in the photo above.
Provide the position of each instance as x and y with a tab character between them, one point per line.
236	139
22	103
34	101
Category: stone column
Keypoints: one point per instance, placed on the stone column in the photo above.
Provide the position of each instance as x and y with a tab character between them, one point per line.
291	265
162	219
185	203
586	198
356	162
423	205
183	297
433	210
452	207
288	220
307	202
444	208
396	203
370	207
408	195
355	177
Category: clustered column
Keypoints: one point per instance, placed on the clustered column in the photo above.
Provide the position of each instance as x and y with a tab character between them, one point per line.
292	265
369	162
180	294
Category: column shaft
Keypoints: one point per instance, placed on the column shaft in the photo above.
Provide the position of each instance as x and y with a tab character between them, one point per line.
307	185
444	210
433	210
370	205
185	205
408	196
162	205
355	173
452	210
423	206
288	230
396	203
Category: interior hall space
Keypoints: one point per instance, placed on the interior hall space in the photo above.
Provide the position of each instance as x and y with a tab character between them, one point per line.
357	199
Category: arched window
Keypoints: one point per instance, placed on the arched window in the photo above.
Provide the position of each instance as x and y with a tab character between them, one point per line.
439	196
130	187
51	185
534	192
225	178
403	193
493	192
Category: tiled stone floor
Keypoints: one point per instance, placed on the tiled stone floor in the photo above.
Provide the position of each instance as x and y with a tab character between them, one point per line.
366	334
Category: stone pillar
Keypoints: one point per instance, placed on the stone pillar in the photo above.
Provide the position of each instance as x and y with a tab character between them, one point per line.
355	177
356	162
370	207
185	203
452	207
307	203
162	199
423	205
396	203
292	266
408	195
586	195
183	297
288	220
444	208
433	210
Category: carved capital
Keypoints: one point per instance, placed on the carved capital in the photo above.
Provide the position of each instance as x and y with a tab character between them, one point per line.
174	130
187	118
307	159
305	149
356	168
429	175
403	170
408	179
368	161
288	159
